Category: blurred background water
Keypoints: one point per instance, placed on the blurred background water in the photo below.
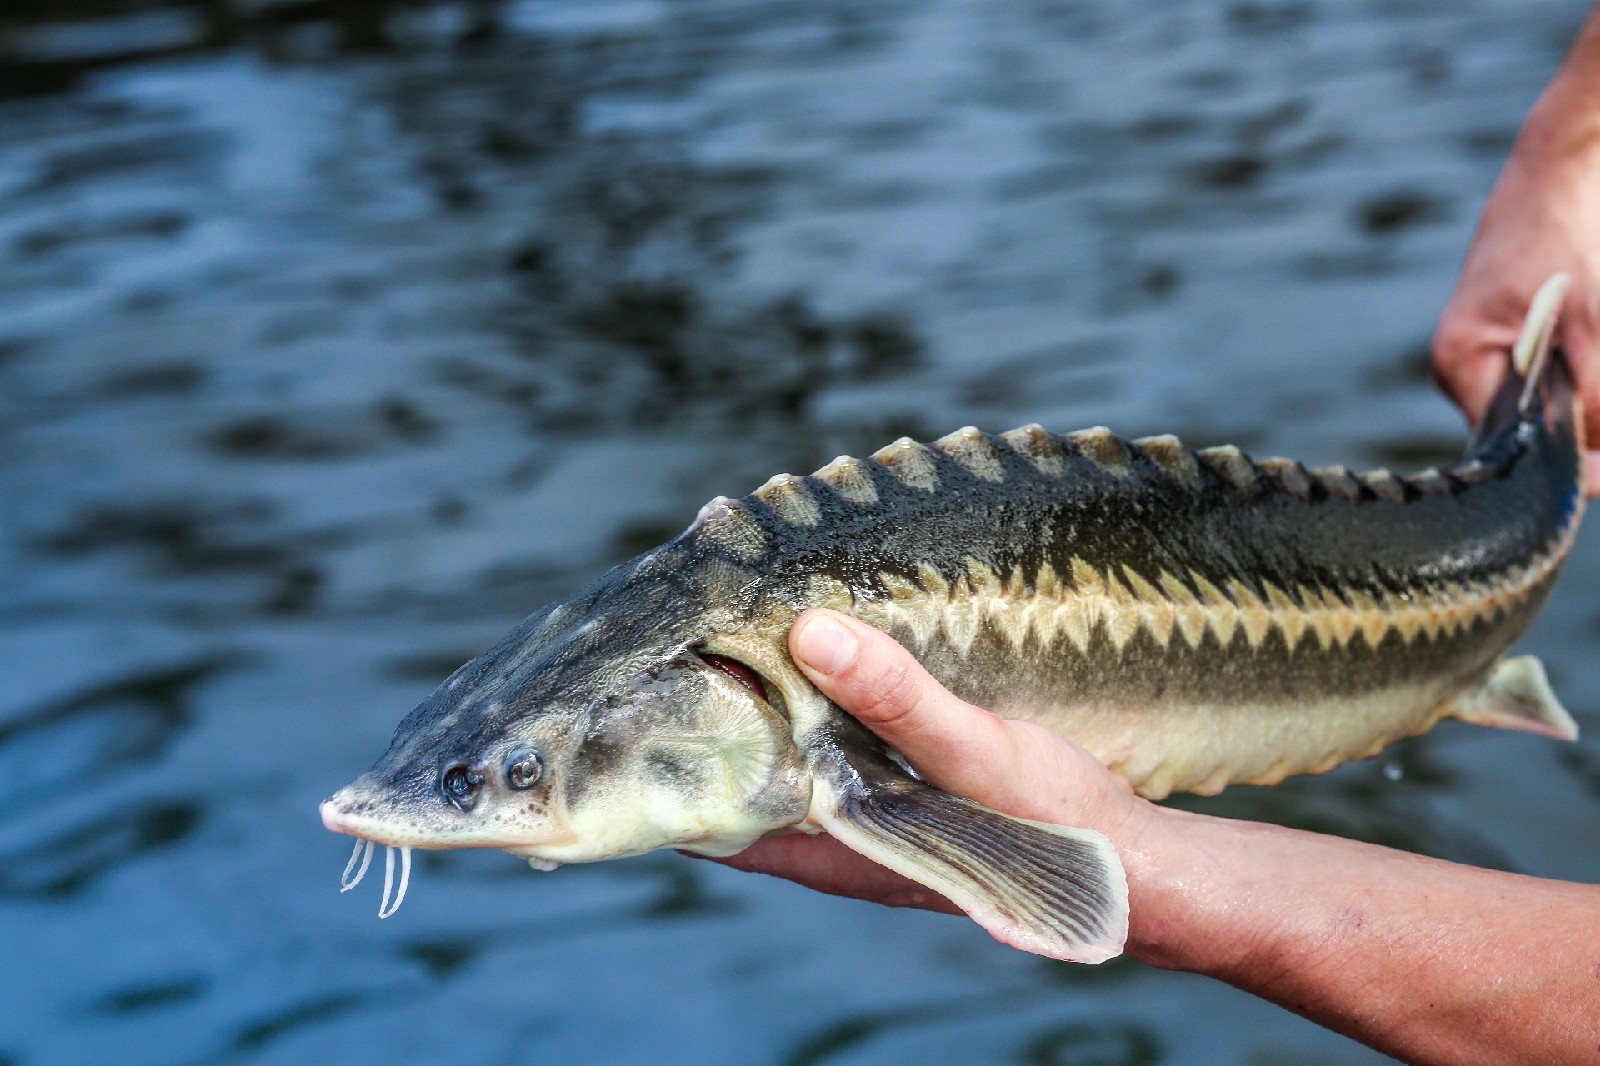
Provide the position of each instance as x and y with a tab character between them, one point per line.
335	336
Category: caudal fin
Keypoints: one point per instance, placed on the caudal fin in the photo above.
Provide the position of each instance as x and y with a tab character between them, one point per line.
1538	387
1531	354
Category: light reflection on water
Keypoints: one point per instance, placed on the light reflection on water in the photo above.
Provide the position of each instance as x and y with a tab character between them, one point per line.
321	365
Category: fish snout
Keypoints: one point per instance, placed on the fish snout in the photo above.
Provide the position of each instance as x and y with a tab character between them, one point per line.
359	811
333	815
349	810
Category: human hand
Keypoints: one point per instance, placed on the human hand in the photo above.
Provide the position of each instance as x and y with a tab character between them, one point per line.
1012	767
1350	935
1543	217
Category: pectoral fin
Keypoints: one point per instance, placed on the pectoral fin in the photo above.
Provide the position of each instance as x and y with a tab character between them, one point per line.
1516	695
1047	889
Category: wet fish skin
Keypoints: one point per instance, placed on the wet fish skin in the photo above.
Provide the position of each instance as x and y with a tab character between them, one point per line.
1135	597
1192	618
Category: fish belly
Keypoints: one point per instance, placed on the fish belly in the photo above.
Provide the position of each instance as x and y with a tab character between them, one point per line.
1252	701
1200	747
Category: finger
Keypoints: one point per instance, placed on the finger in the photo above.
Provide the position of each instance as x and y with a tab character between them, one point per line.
864	671
824	864
954	745
1471	354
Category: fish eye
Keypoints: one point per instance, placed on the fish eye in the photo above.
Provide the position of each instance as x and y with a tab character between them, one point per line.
524	768
460	785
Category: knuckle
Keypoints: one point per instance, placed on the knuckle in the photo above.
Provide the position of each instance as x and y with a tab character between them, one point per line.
1452	342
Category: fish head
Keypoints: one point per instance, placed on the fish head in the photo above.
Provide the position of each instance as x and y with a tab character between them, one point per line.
599	728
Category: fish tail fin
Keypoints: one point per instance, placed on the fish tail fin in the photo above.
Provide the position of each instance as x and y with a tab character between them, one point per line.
1532	352
1516	695
1048	889
1539	386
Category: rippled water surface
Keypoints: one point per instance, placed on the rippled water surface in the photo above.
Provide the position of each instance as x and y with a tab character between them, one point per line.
334	338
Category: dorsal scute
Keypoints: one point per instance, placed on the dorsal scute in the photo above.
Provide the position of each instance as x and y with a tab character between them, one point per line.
1470	471
1288	475
973	451
1431	482
1168	453
790	500
806	502
912	463
1103	448
1338	481
1384	485
850	478
726	525
1232	465
1039	446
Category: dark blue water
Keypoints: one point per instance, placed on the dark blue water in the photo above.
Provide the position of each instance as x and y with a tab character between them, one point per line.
335	337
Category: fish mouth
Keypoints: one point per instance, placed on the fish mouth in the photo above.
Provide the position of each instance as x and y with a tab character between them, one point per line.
362	812
337	817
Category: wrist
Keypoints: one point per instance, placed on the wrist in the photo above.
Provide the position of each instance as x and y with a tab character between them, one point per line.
1563	128
1196	903
1167	879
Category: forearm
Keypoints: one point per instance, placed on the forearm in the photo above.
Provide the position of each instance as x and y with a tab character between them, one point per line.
1425	960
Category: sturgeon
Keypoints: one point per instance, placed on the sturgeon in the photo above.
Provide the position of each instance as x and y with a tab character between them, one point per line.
1192	618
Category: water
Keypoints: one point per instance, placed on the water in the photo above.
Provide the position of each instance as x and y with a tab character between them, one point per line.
335	338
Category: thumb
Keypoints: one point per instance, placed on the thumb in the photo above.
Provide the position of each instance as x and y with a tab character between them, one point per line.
1008	766
878	682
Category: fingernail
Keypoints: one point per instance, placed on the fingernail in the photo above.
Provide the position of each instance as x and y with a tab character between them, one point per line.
826	646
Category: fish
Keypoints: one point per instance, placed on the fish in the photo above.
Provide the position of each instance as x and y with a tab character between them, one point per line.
1193	618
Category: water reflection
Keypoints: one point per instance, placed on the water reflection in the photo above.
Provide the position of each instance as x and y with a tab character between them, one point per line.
338	335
